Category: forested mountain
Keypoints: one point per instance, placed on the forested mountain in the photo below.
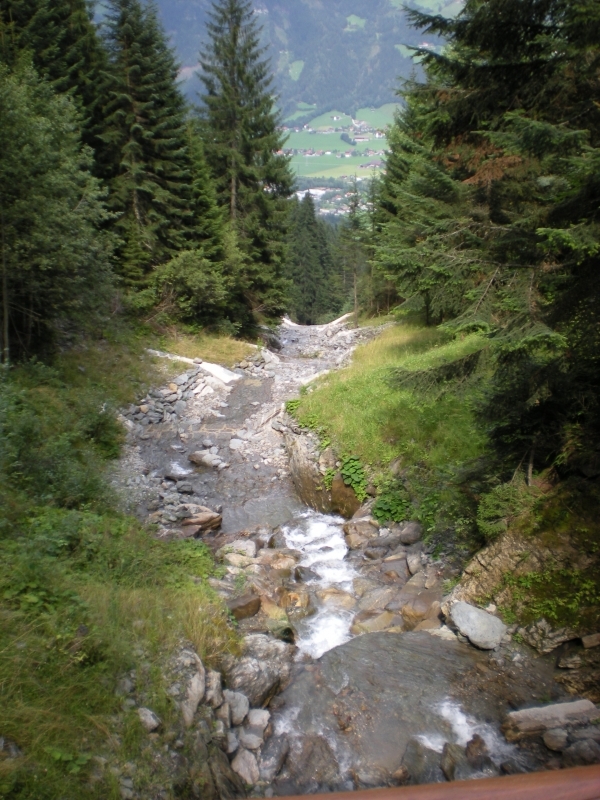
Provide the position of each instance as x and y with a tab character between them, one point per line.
343	54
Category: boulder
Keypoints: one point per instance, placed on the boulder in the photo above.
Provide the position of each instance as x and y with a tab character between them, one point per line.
365	528
206	520
407	532
458	766
481	628
251	740
245	547
336	597
556	739
422	763
582	753
372	621
228	784
541	636
534	721
376	599
244	607
272	757
265	665
244	764
305	473
425	605
414	563
239	706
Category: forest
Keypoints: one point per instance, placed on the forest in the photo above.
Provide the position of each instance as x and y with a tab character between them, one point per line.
129	215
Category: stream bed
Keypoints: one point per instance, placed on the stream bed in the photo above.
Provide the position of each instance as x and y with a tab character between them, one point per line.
367	710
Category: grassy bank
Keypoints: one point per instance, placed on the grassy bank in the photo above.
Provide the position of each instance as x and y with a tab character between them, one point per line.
86	593
412	444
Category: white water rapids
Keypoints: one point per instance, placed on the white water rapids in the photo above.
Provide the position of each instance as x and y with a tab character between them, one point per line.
320	539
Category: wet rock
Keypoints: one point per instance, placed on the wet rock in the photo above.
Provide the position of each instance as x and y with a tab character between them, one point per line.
414	563
239	705
582	753
343	498
249	739
360	531
273	757
556	739
150	721
376	599
214	694
425	605
457	766
244	764
244	607
229	785
533	721
314	767
264	667
336	597
395	568
305	574
422	763
372	621
305	473
482	629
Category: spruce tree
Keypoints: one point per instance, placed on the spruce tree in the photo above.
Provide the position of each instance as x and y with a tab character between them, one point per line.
243	145
54	257
61	39
145	157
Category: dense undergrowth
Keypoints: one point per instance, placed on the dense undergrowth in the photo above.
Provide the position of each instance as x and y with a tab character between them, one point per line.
86	593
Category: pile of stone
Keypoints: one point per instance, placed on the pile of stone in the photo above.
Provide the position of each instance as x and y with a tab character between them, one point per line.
218	742
259	365
569	730
169	402
194	519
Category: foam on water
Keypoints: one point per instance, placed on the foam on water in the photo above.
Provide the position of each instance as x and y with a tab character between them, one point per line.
463	727
320	539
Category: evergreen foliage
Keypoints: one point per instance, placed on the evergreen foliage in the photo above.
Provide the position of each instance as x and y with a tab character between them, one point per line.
490	214
145	158
55	260
243	145
61	39
310	266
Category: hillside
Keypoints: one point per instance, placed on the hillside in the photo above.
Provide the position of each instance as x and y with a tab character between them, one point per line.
342	54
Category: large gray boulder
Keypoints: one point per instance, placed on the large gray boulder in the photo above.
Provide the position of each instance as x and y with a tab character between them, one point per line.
481	629
264	667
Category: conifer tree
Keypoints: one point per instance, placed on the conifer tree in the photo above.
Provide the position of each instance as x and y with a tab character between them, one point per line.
145	157
54	257
61	39
243	145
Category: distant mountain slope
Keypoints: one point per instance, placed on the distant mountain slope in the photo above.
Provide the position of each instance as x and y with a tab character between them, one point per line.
343	54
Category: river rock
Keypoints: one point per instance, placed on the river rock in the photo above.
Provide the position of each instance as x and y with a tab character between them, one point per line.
333	596
312	767
425	605
379	686
246	767
205	521
556	739
372	621
414	563
482	629
376	599
359	531
244	607
264	666
272	757
223	713
582	753
457	766
407	532
228	784
251	740
245	547
543	637
239	705
534	721
422	763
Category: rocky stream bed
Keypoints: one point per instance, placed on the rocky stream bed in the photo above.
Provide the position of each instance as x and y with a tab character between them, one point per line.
356	670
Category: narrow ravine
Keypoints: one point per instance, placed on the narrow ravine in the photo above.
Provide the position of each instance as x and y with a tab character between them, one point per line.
357	697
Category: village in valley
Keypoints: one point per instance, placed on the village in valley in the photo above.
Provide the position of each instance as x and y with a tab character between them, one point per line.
332	150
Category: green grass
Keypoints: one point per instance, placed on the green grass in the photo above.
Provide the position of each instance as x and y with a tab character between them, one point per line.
86	593
378	118
365	415
326	121
331	167
296	68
